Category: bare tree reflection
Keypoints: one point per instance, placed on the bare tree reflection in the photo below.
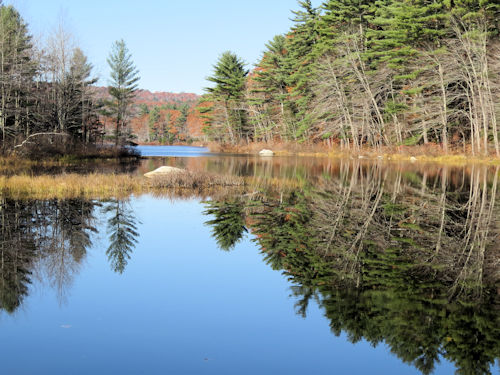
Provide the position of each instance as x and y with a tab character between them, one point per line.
44	239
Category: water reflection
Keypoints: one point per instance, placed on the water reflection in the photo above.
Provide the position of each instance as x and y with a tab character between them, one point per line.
406	257
248	165
410	259
228	225
48	240
122	230
45	239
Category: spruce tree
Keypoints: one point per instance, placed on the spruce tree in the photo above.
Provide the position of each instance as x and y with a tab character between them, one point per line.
16	72
78	90
302	40
270	88
228	92
123	85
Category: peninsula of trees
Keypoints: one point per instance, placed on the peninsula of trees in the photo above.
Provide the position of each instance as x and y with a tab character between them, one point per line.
368	73
50	104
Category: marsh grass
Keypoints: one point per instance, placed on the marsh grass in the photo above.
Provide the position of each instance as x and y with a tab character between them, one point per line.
430	153
195	180
70	186
103	186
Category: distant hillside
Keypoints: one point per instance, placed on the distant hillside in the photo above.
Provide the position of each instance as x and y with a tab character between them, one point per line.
161	117
148	97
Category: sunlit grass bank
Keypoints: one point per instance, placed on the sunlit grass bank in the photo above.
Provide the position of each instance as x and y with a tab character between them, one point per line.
114	185
431	153
71	185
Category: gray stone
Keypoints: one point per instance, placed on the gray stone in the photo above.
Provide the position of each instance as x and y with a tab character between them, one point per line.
266	153
162	171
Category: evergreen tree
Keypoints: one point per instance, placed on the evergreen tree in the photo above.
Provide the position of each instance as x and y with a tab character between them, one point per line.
153	118
123	85
81	107
302	40
16	73
227	96
270	91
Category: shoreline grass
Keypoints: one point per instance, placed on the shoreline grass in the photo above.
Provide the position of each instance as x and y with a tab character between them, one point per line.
102	186
15	164
431	153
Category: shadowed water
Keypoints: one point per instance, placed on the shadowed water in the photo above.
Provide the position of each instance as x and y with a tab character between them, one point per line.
320	266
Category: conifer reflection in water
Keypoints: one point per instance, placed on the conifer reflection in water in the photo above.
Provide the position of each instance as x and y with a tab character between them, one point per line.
48	240
402	258
122	230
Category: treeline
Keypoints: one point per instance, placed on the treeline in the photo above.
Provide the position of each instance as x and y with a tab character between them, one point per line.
167	123
44	90
368	73
48	104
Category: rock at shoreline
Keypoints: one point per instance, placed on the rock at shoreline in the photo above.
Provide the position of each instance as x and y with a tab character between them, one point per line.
162	171
266	153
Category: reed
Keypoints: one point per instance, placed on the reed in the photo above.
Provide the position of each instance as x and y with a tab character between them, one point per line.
195	180
104	186
430	153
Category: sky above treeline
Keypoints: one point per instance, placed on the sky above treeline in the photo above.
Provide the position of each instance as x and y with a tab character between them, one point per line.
174	43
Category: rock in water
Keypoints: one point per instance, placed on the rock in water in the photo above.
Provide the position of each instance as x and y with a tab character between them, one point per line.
266	153
162	171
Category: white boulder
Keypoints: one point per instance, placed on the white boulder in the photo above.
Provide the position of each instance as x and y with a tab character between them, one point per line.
162	171
266	153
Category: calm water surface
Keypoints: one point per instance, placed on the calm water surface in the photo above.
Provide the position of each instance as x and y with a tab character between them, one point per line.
178	151
318	267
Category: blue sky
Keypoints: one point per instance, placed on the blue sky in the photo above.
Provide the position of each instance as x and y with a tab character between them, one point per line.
174	43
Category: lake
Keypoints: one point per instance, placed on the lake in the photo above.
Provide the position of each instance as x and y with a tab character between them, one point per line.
318	266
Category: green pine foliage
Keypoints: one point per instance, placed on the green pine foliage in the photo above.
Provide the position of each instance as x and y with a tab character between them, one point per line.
123	84
302	40
226	97
378	72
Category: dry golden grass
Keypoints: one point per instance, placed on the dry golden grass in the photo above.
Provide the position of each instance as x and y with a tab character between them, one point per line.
71	185
104	186
194	180
431	153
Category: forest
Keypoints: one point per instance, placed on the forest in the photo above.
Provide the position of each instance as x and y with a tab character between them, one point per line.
50	104
368	73
351	74
46	96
